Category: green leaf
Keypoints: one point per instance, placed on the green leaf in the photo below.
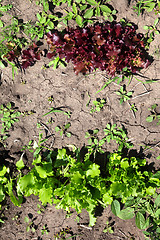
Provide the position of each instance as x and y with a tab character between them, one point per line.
37	160
15	201
50	25
38	16
68	134
158	230
88	13
149	119
42	20
149	7
157	213
26	219
124	164
61	153
3	170
45	195
1	221
74	8
140	220
2	65
115	207
147	223
156	21
92	219
1	23
92	2
93	171
105	9
156	175
27	228
20	163
25	182
79	20
89	141
145	27
157	201
77	177
45	5
126	213
41	171
107	199
150	190
57	129
67	125
2	194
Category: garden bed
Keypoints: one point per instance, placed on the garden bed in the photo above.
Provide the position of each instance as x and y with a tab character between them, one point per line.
37	90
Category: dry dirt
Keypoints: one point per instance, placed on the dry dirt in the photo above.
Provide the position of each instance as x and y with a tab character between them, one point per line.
30	92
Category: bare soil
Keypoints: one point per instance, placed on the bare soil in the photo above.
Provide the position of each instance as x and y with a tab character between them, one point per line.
31	90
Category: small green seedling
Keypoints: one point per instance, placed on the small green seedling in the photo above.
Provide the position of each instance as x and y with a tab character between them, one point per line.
4	8
151	31
30	225
91	135
124	95
94	144
62	234
108	228
154	115
118	134
98	105
145	5
45	230
63	130
40	209
133	108
58	110
10	116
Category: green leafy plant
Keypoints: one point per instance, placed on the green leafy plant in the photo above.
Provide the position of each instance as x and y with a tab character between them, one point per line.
92	136
98	105
145	5
118	134
82	11
55	173
94	144
154	115
45	23
151	31
124	95
9	117
4	179
4	8
63	130
145	210
56	62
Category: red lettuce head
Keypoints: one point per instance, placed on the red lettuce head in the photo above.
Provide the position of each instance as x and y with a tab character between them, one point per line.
108	46
30	56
